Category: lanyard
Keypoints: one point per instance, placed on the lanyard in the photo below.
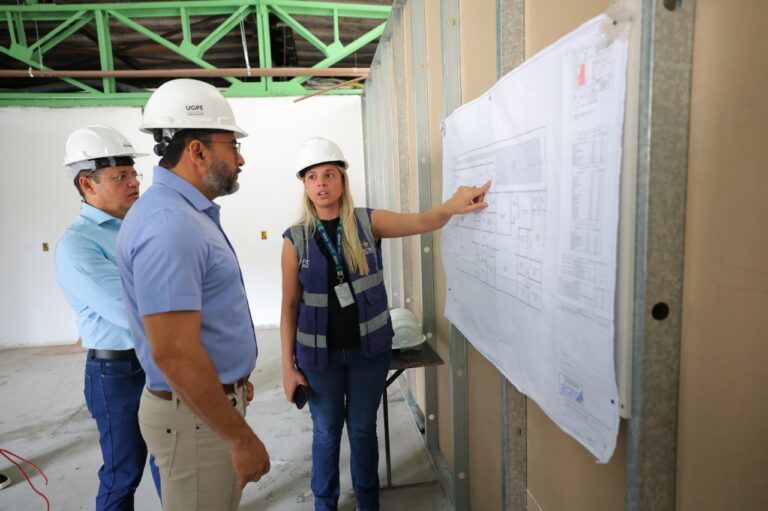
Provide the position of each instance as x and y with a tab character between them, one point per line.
336	255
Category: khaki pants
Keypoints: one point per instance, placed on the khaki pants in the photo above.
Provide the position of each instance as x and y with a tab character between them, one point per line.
196	470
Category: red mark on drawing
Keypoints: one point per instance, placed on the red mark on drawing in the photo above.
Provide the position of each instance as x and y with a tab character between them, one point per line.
582	74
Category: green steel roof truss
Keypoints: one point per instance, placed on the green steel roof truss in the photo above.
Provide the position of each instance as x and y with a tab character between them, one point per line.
73	17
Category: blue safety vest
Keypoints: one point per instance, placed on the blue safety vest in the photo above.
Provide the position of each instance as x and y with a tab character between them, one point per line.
376	332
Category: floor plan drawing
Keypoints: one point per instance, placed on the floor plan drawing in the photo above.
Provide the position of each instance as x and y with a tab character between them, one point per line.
503	245
531	279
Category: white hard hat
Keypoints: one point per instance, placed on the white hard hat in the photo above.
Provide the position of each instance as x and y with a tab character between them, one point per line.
316	151
407	329
189	104
86	146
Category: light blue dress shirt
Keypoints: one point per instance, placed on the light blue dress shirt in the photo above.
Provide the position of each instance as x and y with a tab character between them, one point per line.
86	268
174	256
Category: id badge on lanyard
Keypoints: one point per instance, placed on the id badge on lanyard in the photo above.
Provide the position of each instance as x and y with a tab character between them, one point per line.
343	291
344	294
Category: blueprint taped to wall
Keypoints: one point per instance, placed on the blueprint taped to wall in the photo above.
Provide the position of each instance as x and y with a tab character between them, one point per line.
531	279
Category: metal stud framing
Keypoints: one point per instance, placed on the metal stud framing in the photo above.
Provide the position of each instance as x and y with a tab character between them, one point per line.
73	17
665	82
383	130
403	160
421	122
449	15
510	51
662	165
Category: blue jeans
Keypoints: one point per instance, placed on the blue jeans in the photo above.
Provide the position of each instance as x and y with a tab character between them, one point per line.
112	393
348	390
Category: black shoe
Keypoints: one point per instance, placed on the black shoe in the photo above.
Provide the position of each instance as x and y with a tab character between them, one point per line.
5	481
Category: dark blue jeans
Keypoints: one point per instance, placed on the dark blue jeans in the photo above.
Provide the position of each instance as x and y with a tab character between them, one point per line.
348	390
112	393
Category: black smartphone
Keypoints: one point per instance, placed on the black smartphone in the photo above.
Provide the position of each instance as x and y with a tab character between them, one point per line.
300	396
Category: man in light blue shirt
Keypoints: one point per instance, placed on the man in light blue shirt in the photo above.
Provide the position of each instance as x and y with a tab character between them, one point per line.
100	163
187	304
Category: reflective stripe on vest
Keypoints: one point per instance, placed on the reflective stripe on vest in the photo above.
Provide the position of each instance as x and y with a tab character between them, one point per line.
315	299
360	285
374	324
367	282
309	340
373	319
365	328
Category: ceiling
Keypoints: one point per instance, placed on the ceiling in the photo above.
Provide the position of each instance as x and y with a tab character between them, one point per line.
132	50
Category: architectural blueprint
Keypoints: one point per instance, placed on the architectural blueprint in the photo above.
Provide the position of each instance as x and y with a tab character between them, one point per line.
531	279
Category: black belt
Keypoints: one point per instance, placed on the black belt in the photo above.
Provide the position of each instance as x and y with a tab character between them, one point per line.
112	354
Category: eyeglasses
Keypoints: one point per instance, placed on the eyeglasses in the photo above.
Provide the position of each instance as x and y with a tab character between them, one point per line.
233	145
125	176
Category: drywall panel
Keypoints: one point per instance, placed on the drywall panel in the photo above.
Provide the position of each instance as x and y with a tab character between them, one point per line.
722	416
546	21
558	469
477	29
562	475
41	201
484	401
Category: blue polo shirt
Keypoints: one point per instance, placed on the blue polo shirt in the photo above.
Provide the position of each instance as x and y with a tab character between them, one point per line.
86	268
174	256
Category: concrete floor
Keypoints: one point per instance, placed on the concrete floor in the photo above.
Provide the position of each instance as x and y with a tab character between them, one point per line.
44	419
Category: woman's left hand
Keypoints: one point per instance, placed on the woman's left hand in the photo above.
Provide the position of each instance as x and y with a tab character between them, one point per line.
467	199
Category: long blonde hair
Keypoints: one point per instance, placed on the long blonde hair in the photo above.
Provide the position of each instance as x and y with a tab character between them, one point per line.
353	249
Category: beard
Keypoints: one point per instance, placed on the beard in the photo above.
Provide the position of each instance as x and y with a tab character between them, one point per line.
220	179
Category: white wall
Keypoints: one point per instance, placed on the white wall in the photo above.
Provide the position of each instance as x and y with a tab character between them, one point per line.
39	200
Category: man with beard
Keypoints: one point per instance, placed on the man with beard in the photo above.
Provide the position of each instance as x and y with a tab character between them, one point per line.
99	160
187	304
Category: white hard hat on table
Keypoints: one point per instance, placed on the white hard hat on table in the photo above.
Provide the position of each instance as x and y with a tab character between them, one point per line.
408	333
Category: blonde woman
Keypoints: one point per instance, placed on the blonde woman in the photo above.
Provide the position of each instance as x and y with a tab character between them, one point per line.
335	329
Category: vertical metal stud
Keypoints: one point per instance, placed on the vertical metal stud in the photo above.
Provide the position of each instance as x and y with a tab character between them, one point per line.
403	151
510	53
451	49
421	123
665	81
460	420
393	274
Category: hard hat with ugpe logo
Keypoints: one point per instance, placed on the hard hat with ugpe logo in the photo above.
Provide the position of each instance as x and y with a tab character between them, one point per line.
189	104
